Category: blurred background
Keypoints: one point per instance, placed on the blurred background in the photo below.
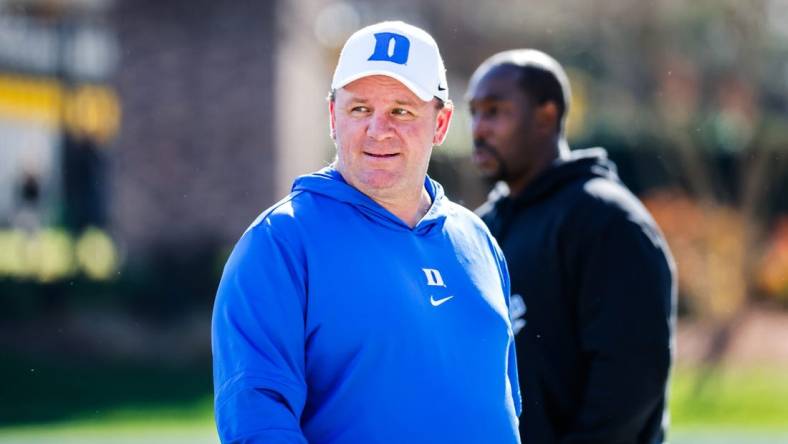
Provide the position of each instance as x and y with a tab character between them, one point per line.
138	139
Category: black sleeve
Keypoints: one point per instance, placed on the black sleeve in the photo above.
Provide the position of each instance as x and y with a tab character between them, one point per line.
625	294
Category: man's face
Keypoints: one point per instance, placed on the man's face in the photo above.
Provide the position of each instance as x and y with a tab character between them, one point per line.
503	124
384	135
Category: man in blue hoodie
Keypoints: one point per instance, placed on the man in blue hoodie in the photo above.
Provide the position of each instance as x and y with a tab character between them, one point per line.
365	307
593	287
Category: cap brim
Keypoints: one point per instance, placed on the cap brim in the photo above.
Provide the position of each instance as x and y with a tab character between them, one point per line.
420	93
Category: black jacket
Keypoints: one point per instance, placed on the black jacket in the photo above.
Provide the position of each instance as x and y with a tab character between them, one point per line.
597	280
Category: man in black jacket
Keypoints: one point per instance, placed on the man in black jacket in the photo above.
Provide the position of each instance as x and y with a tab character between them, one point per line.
593	287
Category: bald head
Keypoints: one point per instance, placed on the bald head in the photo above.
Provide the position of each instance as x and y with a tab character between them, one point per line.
541	77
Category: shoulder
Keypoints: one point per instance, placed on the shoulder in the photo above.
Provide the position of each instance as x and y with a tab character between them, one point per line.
607	209
605	200
275	236
471	228
466	219
287	214
281	224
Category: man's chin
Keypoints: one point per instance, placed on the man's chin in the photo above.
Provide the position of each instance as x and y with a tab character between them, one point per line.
488	175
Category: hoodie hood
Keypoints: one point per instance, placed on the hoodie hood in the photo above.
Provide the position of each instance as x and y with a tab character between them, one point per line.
581	164
328	182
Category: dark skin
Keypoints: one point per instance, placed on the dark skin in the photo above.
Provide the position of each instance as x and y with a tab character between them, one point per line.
515	139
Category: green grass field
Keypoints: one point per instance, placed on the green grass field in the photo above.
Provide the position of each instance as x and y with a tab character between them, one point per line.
120	403
733	397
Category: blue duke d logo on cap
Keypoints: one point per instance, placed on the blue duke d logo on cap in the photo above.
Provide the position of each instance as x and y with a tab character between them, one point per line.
391	47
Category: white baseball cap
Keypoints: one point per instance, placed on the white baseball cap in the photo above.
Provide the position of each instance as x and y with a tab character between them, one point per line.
398	50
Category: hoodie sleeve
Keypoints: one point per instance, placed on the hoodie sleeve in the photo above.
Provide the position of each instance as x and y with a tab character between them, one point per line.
625	325
258	341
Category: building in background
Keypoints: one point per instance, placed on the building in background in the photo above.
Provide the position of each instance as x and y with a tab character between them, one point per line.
58	118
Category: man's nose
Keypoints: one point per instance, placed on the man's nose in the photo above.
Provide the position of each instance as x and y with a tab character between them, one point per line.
479	129
379	127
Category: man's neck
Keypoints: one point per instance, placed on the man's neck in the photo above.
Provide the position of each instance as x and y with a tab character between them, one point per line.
410	209
408	202
558	150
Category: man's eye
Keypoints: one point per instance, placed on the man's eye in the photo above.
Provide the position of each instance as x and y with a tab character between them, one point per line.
484	111
359	109
401	112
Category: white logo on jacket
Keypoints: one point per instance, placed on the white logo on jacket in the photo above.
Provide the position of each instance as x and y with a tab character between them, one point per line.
517	311
434	278
436	302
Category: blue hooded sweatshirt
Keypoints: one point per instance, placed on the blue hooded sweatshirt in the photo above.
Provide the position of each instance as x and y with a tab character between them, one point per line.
335	322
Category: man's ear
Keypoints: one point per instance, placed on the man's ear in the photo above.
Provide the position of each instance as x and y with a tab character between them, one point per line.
442	123
546	117
331	120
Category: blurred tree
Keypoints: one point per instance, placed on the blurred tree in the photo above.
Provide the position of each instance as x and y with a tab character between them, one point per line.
710	102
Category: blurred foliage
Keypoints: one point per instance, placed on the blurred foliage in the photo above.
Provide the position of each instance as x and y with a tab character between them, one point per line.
717	267
708	245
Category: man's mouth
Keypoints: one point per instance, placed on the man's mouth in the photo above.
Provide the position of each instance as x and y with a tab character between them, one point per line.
381	155
480	156
484	151
480	145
